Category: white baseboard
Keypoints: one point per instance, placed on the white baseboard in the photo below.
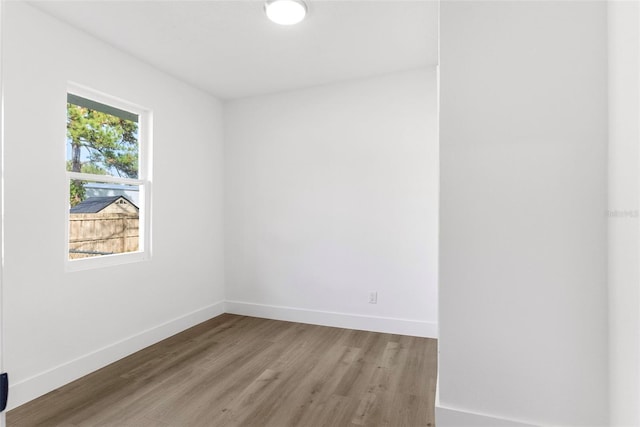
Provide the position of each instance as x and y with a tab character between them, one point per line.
44	382
448	417
416	328
455	417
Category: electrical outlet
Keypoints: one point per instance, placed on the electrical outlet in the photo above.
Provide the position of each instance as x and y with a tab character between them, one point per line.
373	297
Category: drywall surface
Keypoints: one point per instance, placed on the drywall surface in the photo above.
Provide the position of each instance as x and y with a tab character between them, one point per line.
624	160
60	325
523	227
330	193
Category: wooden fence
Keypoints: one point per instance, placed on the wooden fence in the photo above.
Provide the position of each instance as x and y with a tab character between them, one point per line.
102	233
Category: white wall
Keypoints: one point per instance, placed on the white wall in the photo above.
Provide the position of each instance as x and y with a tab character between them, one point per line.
523	230
624	160
62	325
3	417
331	192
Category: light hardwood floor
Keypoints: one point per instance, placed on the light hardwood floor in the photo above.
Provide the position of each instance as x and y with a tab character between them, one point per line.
243	371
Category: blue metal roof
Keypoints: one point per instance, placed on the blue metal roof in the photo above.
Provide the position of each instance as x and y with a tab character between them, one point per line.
96	204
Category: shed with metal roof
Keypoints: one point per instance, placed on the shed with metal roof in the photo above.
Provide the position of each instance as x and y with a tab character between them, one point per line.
109	204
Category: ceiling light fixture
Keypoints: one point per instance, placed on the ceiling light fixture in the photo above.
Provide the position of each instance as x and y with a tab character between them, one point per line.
285	12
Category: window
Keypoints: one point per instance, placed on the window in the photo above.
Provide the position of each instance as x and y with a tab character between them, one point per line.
107	145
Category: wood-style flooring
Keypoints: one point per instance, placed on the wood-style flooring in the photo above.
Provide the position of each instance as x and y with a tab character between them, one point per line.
244	371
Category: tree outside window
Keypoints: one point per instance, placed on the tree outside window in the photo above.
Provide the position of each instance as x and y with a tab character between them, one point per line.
106	191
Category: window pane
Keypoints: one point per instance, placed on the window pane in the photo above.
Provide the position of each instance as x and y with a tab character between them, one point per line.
105	219
101	140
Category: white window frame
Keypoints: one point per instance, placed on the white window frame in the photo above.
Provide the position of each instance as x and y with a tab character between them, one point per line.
145	126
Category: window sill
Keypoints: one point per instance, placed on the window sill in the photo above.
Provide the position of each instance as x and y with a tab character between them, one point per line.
104	261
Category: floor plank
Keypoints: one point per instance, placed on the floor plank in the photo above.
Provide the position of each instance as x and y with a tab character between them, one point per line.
244	371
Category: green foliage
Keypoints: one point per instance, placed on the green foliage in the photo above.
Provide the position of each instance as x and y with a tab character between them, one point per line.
88	168
77	192
108	145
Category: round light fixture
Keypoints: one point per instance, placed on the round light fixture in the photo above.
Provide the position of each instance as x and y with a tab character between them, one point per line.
285	12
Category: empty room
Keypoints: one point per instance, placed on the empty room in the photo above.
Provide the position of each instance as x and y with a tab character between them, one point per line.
346	213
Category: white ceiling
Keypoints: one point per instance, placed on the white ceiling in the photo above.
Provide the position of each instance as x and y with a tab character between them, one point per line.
230	49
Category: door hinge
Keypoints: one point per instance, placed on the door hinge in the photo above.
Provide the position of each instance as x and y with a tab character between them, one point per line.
4	390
